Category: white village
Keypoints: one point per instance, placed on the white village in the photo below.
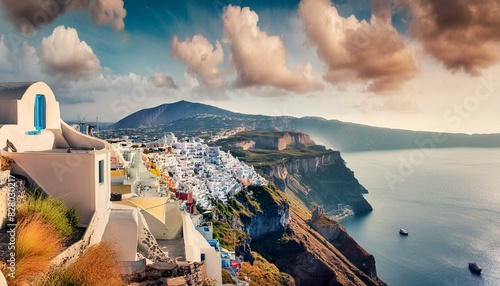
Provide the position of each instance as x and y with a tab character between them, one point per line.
140	196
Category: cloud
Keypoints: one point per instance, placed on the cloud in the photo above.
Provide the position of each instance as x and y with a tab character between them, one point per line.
199	56
357	51
109	12
62	54
28	16
6	63
462	34
162	80
260	58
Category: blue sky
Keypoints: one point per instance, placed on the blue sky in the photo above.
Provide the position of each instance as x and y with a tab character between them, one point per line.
377	63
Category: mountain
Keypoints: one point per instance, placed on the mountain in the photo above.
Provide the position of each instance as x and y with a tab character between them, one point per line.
167	113
342	136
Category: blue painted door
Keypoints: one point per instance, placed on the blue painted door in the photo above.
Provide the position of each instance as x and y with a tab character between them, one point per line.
40	116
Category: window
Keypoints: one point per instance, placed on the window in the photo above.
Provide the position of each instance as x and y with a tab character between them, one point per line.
101	171
40	112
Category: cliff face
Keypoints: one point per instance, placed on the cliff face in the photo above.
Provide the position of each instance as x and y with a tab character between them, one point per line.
324	180
284	238
281	140
272	220
336	234
310	258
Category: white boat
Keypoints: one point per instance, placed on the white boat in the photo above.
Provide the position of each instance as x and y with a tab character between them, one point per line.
403	231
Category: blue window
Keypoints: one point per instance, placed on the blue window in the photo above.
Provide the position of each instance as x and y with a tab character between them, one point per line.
40	112
206	229
101	171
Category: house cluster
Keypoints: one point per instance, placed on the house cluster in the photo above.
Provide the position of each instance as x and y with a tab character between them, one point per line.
122	194
194	171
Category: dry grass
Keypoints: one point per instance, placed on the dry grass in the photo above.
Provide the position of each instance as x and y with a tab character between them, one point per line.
37	243
96	267
263	273
51	210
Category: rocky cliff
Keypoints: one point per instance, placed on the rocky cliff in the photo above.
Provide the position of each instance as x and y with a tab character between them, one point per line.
321	180
310	258
285	238
336	234
270	140
273	220
279	140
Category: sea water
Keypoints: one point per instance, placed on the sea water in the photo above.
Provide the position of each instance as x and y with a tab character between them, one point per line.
447	199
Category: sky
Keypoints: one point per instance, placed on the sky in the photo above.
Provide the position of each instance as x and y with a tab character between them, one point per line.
408	64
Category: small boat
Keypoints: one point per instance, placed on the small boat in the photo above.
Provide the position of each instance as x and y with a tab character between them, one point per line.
475	268
403	231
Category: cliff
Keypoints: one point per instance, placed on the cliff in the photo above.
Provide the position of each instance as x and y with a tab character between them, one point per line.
269	140
278	140
336	234
292	162
322	179
284	238
310	258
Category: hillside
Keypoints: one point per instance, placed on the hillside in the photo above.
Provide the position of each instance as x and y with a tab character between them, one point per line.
347	137
280	232
167	113
313	174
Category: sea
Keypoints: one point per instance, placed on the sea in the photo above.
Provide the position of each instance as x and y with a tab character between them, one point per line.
449	202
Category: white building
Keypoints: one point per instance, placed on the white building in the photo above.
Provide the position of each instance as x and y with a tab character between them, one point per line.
62	161
75	167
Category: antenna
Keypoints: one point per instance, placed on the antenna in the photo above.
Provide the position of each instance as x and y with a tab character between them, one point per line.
80	120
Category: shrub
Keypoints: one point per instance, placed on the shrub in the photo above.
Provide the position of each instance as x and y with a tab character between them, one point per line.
37	243
72	217
52	211
227	278
263	273
97	267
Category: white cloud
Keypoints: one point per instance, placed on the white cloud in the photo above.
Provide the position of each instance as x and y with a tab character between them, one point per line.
6	64
62	54
199	55
260	59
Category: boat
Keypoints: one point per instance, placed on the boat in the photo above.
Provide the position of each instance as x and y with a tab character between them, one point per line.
475	268
403	231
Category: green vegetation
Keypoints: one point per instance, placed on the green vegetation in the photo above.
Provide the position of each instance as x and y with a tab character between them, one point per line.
51	210
226	278
269	157
243	206
228	236
263	273
265	156
44	223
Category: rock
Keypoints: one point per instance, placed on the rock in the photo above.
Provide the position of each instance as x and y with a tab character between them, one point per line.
272	220
336	234
324	180
310	259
